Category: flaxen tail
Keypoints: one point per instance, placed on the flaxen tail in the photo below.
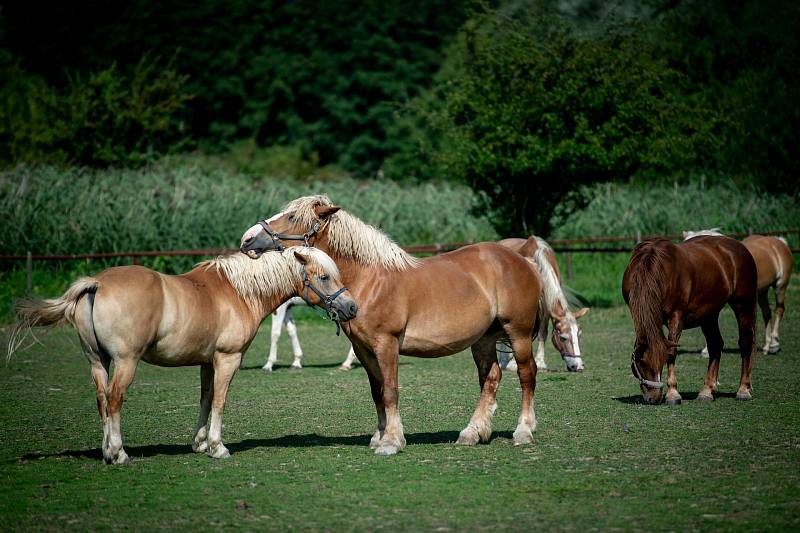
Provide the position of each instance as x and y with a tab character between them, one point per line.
33	313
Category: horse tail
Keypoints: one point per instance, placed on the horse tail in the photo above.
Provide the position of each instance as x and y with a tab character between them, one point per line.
646	298
552	295
33	312
542	312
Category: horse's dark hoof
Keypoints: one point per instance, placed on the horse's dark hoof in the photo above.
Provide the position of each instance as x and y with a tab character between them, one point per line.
674	402
704	398
744	397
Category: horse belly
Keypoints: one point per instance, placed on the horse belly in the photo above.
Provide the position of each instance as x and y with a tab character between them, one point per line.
438	338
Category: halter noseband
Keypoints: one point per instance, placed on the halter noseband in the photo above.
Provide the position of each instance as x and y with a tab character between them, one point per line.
327	300
277	237
646	382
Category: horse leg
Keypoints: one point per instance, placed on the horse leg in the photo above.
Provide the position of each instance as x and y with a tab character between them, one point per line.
225	366
766	313
370	364
100	364
675	327
387	355
277	325
714	341
540	342
200	441
351	358
124	370
479	428
745	316
780	307
526	369
291	329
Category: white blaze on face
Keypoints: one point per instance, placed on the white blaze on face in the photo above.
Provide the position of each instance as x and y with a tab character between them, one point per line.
250	233
573	329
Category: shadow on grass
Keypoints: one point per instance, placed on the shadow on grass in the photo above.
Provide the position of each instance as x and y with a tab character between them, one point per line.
288	441
308	365
689	351
686	396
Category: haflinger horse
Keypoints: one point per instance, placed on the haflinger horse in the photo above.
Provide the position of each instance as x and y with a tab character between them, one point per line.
774	260
207	317
432	307
684	286
566	330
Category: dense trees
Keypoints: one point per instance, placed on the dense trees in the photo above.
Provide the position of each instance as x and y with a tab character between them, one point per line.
524	101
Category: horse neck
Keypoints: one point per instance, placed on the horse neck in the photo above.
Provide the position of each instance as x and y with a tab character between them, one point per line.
646	302
258	307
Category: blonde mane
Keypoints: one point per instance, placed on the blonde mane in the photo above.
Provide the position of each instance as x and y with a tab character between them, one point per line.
272	274
714	232
551	290
349	236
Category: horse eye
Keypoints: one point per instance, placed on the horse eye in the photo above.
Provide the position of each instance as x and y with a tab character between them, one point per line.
291	218
325	277
564	336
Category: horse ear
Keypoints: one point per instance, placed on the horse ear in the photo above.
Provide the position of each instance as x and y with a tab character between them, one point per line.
324	211
301	258
580	312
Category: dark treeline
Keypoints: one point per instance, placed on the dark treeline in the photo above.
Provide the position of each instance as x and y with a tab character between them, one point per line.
523	100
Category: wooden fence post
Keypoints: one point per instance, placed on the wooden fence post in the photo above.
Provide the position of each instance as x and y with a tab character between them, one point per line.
638	236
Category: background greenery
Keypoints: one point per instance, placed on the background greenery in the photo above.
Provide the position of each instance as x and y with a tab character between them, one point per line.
523	100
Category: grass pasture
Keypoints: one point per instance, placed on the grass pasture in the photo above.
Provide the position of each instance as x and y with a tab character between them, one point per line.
600	460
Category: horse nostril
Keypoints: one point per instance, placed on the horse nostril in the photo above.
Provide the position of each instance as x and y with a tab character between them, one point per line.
247	241
352	309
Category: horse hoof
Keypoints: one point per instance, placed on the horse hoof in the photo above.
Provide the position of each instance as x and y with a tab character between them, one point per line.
220	452
295	367
200	447
675	401
266	368
345	367
386	449
705	398
522	436
468	437
743	397
774	349
121	458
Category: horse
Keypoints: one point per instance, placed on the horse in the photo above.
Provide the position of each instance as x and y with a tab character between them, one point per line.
684	286
283	316
566	330
207	317
774	260
431	307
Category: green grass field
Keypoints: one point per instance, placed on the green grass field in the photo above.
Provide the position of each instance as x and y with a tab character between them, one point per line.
600	460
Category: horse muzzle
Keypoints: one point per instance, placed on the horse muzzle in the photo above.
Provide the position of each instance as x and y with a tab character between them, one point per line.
255	246
344	311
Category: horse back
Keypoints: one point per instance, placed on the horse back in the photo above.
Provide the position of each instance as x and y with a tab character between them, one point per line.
528	248
773	260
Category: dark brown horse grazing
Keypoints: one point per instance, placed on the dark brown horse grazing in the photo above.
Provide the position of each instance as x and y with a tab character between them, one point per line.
432	307
683	286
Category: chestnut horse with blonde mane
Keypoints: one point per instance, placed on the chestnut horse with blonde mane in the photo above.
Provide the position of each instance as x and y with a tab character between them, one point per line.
684	286
206	317
566	330
432	307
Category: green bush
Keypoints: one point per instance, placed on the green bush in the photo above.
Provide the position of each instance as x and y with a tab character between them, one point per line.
102	118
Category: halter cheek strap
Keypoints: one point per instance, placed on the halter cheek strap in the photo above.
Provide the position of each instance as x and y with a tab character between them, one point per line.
646	382
327	300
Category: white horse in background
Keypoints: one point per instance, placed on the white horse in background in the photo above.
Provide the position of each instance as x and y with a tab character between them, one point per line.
283	317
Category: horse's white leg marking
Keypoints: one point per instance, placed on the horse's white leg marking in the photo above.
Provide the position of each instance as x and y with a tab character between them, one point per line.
540	342
291	329
277	325
200	441
225	366
774	341
351	358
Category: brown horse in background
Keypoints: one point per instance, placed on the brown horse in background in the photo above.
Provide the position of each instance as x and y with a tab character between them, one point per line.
206	317
684	286
566	330
774	264
433	307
